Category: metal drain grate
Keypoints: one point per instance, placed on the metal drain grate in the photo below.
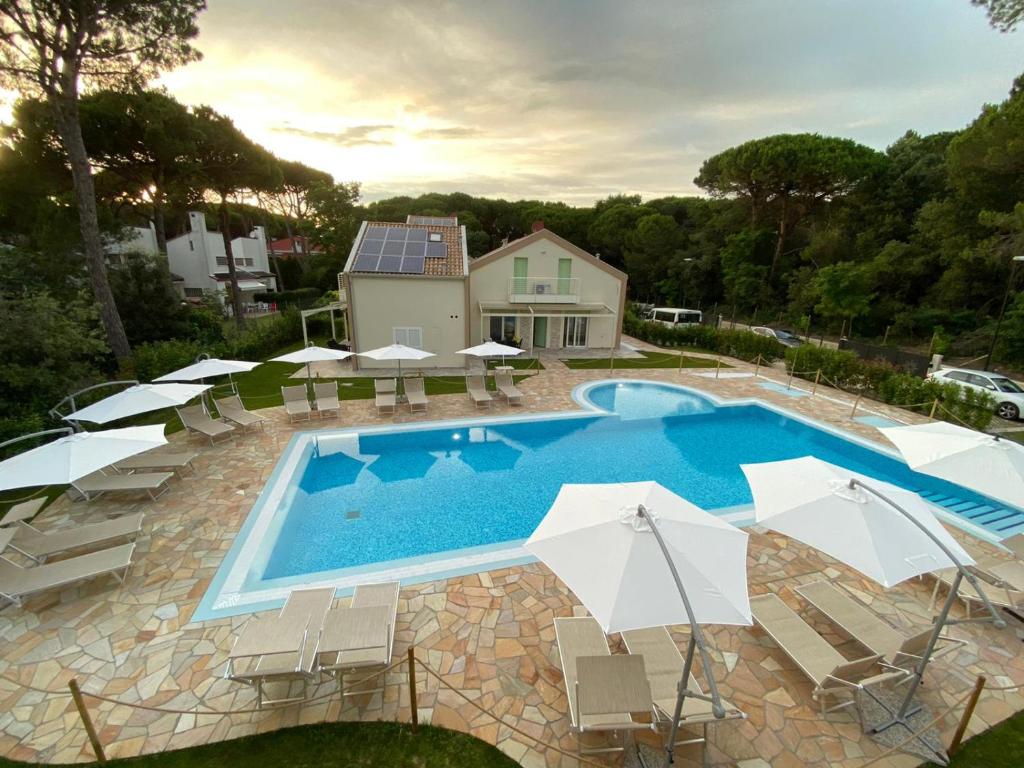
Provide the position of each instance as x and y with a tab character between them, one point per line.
353	514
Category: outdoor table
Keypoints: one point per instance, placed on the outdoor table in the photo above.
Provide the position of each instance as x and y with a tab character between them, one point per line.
612	684
355	629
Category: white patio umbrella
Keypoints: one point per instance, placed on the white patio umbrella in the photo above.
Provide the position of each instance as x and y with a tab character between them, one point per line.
208	368
984	463
637	555
885	532
69	458
311	354
396	352
141	398
491	349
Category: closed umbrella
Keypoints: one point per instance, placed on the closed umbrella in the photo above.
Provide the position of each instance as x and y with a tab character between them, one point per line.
397	353
311	354
491	349
637	555
69	458
141	398
987	464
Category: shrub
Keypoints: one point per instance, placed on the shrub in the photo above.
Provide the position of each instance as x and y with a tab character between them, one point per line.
298	297
159	357
740	344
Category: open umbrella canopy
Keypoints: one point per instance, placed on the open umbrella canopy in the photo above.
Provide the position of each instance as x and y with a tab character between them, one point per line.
141	398
490	349
811	500
396	352
594	541
70	458
206	369
312	354
984	463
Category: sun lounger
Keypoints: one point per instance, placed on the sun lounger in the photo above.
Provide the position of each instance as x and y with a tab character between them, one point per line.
415	393
153	483
26	510
1000	593
1015	544
823	665
296	403
507	388
361	636
281	649
869	629
198	421
580	640
664	665
384	395
158	460
231	408
325	395
477	388
37	545
17	583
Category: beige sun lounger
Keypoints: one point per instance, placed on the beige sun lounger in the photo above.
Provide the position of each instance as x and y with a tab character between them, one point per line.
26	510
579	639
153	483
1015	544
296	403
823	665
158	460
1001	593
17	583
366	627
38	545
232	409
325	395
869	629
280	650
415	393
197	421
477	388
384	395
664	665
507	388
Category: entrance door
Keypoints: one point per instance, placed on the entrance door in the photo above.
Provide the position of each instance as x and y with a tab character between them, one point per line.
564	275
575	334
540	332
520	265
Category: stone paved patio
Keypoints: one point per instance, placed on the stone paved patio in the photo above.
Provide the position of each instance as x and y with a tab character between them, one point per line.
490	635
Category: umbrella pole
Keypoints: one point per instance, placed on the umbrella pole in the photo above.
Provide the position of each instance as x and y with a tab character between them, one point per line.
696	644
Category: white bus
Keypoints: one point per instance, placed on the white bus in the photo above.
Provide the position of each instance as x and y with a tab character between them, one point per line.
672	316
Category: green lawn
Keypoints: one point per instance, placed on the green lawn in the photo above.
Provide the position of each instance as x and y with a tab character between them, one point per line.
998	747
519	363
351	745
649	360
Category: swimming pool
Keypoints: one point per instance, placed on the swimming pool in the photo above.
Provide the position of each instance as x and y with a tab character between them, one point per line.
431	500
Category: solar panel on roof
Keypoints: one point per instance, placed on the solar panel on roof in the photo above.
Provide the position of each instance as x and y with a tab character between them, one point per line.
417	235
415	249
393	247
370	246
390	264
437	250
413	265
375	233
366	263
434	221
397	233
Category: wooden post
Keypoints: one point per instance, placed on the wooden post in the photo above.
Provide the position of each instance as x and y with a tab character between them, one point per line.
855	404
935	407
792	371
757	366
931	345
842	331
718	367
90	730
680	361
414	712
611	362
885	337
817	378
965	719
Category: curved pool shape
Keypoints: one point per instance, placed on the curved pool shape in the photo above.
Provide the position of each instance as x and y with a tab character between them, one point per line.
432	500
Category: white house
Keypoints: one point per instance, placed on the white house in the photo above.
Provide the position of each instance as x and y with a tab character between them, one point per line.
413	283
198	257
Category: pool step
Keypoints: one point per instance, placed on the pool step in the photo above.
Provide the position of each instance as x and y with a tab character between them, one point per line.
1001	520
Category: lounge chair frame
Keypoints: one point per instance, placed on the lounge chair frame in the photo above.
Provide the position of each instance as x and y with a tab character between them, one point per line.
119	571
158	484
233	409
506	388
476	386
325	397
415	393
197	421
385	395
127	527
296	403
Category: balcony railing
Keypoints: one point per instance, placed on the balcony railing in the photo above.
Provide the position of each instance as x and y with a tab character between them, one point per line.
544	290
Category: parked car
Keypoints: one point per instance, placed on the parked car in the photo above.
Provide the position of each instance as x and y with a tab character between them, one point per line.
1008	394
673	316
785	338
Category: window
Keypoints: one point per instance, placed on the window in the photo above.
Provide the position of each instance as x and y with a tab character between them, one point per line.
434	237
665	317
194	293
503	329
980	381
956	376
410	337
222	261
1006	385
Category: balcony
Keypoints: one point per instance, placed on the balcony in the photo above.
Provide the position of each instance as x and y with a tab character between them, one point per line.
544	290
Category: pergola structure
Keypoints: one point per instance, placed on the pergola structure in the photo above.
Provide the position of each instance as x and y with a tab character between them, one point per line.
332	308
504	309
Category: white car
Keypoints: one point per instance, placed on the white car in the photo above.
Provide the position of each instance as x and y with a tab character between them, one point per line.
785	338
1008	393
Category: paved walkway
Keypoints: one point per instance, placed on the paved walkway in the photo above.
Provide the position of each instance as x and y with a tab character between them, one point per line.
490	635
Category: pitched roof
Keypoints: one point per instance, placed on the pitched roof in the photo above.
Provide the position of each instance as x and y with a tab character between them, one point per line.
546	234
452	265
284	246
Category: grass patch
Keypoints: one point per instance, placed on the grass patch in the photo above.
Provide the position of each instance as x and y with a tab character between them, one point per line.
519	363
998	747
648	360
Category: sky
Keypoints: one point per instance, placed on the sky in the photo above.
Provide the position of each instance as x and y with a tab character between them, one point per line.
579	99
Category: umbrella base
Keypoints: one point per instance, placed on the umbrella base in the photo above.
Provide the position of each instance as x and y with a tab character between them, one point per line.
877	712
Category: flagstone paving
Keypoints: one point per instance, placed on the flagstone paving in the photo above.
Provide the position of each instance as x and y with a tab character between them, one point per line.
490	635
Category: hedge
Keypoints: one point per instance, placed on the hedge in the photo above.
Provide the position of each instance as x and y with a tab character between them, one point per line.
743	345
880	380
295	297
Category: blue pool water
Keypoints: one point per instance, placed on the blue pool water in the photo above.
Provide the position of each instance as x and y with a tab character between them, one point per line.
387	496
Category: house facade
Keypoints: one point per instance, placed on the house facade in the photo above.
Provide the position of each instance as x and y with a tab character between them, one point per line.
413	283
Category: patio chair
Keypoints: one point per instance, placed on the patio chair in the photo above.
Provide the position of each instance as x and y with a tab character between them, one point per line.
664	665
197	421
325	395
580	640
17	583
153	483
1001	593
281	649
415	393
38	545
385	396
232	409
899	650
477	388
822	664
507	388
361	636
296	403
158	460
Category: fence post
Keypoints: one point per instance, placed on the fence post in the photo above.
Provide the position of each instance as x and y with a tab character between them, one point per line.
757	367
611	362
817	378
935	407
961	728
855	404
412	689
792	370
718	367
680	361
90	730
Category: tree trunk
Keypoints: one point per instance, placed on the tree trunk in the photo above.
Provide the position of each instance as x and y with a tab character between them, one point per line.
225	231
158	214
273	260
781	242
65	113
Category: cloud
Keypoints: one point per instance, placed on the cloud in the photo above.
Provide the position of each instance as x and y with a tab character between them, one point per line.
353	136
452	132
